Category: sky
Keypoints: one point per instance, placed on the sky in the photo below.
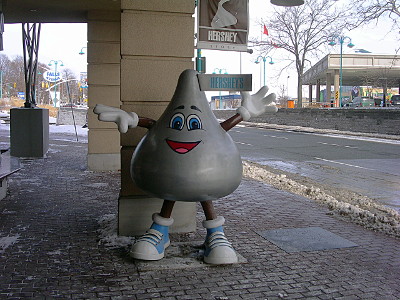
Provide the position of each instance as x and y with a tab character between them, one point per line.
65	41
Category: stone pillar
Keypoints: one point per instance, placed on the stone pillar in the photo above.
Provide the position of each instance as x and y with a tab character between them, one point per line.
156	46
336	86
103	56
328	87
318	91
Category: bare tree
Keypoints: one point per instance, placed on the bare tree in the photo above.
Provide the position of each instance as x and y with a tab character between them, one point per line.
375	10
302	30
372	10
282	96
70	87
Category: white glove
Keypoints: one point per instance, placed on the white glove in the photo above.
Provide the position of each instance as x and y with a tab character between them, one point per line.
257	104
123	119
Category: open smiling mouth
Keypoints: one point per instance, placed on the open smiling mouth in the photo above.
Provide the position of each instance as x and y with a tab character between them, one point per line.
181	147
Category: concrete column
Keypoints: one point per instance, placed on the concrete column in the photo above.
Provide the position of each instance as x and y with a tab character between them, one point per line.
336	84
103	55
156	46
328	87
318	91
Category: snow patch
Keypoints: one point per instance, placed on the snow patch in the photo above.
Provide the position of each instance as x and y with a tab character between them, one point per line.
361	210
69	129
108	233
8	241
96	185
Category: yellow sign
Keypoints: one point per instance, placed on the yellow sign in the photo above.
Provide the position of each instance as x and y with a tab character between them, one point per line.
337	95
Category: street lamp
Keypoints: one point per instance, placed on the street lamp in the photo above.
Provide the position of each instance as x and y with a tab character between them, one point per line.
81	52
287	2
287	87
219	71
341	40
55	73
264	58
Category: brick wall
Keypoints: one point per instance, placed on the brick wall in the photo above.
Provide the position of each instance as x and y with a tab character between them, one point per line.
383	121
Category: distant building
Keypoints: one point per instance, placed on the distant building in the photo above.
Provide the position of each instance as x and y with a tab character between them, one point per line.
226	101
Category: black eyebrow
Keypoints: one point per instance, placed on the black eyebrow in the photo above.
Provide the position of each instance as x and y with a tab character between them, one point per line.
195	107
180	107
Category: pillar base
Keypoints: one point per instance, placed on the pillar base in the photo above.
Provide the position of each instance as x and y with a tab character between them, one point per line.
104	161
29	132
134	215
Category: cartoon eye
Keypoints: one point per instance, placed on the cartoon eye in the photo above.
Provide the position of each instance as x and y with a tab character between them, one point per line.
177	121
194	122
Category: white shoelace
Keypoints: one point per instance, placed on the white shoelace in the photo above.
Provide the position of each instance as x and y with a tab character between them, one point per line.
217	239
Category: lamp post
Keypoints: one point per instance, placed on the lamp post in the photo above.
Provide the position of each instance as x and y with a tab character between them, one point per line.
82	52
341	40
1	84
264	58
287	87
55	74
287	2
219	71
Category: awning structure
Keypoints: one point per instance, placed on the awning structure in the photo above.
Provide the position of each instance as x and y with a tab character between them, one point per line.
54	11
358	69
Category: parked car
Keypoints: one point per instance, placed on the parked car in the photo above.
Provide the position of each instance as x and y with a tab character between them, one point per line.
395	100
378	101
362	102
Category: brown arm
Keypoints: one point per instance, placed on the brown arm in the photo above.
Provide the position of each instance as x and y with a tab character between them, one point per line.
146	122
231	122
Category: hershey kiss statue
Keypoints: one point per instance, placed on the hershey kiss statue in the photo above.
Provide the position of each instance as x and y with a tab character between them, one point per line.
187	155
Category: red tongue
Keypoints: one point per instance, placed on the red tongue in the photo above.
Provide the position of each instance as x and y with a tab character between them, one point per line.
181	147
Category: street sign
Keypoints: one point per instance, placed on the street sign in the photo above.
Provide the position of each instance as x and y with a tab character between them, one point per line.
225	82
52	76
21	95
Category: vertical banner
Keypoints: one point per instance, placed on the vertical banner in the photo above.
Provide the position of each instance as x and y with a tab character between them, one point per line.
223	24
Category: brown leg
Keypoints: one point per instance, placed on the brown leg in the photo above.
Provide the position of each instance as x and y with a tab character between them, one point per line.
209	210
166	210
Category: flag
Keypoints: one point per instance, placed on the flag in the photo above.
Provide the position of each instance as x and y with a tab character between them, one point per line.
265	30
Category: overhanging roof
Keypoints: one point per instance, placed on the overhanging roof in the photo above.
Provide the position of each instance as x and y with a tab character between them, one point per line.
53	11
357	69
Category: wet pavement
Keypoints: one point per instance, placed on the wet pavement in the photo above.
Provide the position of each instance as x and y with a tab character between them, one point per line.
50	243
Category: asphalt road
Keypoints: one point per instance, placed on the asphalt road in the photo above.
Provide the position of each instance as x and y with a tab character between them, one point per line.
367	166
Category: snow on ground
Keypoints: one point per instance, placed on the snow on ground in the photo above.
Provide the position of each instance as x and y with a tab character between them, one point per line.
68	129
359	209
108	233
8	241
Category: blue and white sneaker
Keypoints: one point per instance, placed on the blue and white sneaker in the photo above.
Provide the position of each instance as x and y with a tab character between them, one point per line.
218	250
152	244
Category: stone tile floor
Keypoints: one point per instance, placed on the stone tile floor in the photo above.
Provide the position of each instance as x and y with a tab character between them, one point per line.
50	243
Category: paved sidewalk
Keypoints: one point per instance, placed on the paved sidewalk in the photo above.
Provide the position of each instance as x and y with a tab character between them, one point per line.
49	243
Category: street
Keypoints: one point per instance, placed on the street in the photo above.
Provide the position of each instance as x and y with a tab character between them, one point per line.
367	166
